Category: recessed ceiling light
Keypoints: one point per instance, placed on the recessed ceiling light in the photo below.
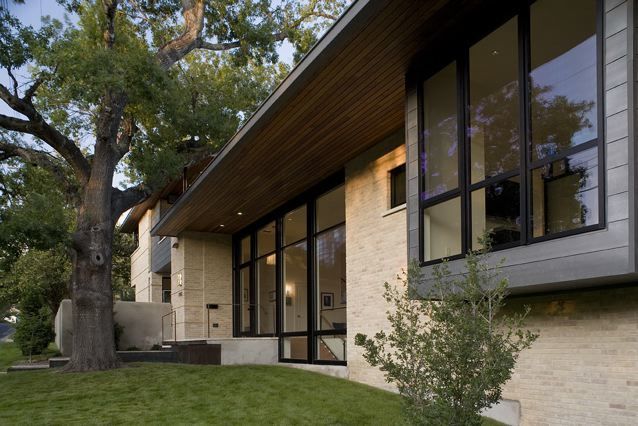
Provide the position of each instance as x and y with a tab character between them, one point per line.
221	226
239	213
495	52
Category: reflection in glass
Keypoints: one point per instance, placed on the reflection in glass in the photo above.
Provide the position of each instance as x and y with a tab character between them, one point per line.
331	209
245	250
295	225
563	77
494	103
331	348
439	161
565	194
496	209
295	347
442	230
295	299
266	294
266	239
331	279
244	285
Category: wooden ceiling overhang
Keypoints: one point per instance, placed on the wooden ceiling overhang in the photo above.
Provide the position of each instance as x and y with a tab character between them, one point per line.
344	97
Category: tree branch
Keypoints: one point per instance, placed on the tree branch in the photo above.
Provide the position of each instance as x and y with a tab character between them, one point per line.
35	157
122	200
15	82
109	7
28	94
176	49
125	138
37	126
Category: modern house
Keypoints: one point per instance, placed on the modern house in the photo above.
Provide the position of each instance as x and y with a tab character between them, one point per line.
409	129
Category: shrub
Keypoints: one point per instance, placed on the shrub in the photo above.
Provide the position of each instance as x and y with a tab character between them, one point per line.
156	347
449	358
34	332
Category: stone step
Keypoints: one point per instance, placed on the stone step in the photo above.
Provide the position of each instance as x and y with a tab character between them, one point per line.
27	367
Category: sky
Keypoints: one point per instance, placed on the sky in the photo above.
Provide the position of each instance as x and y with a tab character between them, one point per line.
31	12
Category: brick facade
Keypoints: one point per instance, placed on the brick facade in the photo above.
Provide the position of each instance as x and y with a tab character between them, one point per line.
148	285
201	273
583	369
376	247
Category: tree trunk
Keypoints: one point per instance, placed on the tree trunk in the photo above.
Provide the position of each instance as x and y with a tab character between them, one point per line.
91	290
92	301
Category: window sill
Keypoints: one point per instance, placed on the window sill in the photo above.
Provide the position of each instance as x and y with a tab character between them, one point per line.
394	210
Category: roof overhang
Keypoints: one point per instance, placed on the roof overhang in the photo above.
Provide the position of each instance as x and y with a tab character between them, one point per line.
343	97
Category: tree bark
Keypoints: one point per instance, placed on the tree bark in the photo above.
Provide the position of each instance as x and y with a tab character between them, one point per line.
91	290
92	301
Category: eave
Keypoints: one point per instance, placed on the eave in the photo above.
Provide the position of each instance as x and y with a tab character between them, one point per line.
344	96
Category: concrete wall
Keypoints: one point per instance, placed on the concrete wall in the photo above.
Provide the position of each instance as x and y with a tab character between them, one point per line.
248	350
148	285
375	250
142	324
201	268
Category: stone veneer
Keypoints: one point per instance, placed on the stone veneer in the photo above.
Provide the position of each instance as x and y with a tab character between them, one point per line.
375	248
201	273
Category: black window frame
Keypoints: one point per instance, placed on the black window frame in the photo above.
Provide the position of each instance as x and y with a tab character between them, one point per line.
395	179
309	200
460	55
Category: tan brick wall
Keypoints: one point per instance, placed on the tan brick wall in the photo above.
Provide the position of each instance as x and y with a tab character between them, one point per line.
202	263
148	285
583	369
375	250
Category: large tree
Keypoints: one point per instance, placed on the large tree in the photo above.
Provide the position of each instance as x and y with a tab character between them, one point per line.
141	84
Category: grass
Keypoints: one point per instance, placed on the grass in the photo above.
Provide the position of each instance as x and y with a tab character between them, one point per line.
189	394
10	355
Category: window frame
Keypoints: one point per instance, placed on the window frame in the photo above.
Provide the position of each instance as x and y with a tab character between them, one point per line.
309	200
460	55
393	181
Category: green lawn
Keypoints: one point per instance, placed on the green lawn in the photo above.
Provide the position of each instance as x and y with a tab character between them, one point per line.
10	354
190	394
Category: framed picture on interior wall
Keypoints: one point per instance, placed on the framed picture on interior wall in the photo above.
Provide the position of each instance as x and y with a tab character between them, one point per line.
272	296
327	300
343	291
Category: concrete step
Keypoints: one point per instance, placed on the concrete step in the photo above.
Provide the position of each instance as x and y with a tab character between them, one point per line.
27	367
58	362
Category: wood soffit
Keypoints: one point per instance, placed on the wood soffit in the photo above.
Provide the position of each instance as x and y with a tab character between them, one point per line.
345	96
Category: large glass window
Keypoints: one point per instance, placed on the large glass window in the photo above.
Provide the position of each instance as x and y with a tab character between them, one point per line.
531	168
290	279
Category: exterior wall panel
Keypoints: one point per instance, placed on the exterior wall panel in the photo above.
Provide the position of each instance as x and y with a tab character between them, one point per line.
618	238
375	251
201	268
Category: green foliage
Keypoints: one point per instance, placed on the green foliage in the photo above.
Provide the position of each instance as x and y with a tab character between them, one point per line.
39	278
35	212
34	331
451	352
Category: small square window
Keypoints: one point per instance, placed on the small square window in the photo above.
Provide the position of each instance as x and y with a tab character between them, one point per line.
397	186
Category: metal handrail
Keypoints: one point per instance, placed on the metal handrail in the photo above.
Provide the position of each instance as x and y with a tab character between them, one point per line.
173	314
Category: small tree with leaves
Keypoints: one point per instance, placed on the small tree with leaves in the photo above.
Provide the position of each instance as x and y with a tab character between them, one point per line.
451	352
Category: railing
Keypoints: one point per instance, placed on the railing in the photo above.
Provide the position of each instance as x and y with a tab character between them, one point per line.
173	323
